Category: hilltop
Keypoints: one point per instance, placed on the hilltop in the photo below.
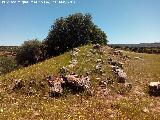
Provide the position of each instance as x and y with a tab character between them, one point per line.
112	102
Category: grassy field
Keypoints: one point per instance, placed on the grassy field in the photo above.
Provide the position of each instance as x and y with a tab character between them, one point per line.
136	104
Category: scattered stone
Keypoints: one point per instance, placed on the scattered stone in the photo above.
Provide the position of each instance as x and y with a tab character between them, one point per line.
76	49
17	85
116	63
98	78
111	116
103	91
32	83
122	76
31	91
154	88
125	57
128	86
137	100
104	83
145	110
64	70
89	53
151	104
73	63
118	52
36	113
98	67
138	58
99	61
109	59
114	68
1	110
97	46
74	53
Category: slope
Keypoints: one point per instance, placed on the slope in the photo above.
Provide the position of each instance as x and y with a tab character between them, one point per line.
117	103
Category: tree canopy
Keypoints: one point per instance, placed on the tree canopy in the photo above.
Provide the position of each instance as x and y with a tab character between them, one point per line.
73	31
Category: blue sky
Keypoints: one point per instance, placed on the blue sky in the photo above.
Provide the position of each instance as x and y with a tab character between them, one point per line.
124	21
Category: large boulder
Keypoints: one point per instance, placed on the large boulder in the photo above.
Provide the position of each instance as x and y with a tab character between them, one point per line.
55	83
78	84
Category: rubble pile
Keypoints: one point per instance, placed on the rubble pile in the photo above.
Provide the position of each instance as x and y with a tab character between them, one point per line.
117	68
79	83
72	81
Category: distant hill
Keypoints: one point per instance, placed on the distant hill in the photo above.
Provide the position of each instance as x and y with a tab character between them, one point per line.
9	48
138	45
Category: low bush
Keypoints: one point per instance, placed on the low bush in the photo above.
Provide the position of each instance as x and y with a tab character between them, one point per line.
29	53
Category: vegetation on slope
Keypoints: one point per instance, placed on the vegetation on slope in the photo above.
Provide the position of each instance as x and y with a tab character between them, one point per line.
7	59
136	104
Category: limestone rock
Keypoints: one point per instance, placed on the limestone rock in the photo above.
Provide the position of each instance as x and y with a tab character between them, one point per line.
122	76
154	88
55	83
145	110
78	83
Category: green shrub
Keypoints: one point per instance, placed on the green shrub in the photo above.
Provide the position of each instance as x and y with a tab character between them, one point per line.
7	64
29	53
73	31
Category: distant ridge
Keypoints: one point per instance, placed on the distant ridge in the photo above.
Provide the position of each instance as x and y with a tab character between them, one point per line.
156	44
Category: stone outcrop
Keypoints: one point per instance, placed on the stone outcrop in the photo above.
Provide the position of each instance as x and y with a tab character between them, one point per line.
55	83
117	68
72	81
78	83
